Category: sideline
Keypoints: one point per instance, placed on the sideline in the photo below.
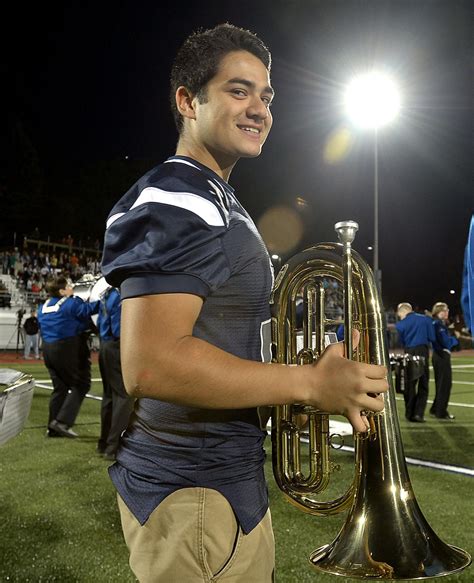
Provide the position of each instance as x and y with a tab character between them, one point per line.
427	464
342	428
430	401
47	385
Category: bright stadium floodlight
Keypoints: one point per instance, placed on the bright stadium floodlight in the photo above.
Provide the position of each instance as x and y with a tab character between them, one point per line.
372	100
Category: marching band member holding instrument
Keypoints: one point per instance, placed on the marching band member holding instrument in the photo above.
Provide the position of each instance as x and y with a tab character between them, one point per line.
64	319
195	280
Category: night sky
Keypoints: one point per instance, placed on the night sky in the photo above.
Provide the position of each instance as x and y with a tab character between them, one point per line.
86	85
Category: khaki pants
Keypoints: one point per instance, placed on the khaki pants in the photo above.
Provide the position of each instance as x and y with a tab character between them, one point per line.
193	536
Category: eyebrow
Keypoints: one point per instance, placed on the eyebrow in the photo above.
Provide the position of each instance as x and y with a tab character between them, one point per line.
250	84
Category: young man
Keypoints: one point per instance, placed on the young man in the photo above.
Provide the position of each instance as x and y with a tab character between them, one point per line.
441	359
195	280
416	335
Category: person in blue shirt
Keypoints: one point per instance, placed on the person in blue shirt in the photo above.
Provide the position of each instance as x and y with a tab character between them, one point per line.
195	279
416	335
64	320
116	403
441	359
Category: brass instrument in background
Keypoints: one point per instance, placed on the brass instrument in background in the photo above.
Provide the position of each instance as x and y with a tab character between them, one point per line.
385	535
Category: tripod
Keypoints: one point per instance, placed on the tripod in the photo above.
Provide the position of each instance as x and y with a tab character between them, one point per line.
18	331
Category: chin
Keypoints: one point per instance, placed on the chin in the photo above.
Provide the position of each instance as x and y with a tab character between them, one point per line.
251	153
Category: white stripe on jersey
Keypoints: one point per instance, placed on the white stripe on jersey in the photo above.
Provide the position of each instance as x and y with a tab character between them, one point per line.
178	161
221	197
47	309
201	207
216	187
112	219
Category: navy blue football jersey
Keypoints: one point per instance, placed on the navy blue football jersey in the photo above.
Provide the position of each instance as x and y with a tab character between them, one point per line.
180	229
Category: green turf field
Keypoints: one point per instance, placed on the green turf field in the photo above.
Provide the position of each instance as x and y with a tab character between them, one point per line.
60	522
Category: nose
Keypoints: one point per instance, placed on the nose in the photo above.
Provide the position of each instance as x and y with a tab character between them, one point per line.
258	109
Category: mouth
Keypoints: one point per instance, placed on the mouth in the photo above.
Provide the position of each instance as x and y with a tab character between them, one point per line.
251	131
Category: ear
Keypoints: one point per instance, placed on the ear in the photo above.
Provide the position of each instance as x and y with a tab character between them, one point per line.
185	102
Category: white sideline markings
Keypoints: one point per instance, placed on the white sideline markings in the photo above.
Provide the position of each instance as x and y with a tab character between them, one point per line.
416	462
468	405
47	385
427	464
340	428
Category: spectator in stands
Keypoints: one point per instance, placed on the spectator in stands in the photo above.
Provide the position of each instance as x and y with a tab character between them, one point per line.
4	255
64	321
416	334
31	328
116	403
441	359
5	297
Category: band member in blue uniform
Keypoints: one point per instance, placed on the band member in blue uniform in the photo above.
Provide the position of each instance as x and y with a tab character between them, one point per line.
441	359
195	279
64	320
416	335
116	403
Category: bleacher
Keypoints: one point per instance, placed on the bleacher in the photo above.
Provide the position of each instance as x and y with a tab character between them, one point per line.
13	305
23	275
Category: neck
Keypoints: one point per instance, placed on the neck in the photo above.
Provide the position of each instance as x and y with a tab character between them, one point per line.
219	163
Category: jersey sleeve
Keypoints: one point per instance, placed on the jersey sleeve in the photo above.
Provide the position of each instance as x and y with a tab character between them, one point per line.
166	242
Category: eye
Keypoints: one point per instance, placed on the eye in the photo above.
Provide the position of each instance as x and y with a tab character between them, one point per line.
239	92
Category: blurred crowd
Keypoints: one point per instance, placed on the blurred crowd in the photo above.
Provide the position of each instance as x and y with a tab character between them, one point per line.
31	267
37	262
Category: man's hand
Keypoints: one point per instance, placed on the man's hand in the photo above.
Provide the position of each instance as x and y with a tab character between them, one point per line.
345	387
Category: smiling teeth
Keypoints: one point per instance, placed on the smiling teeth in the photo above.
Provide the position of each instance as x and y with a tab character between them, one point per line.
253	130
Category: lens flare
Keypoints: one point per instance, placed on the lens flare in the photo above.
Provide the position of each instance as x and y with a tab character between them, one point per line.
337	146
281	228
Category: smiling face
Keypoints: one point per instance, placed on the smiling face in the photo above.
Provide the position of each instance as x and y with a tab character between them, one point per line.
233	118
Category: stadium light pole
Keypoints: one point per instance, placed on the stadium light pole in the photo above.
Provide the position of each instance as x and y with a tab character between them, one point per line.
372	100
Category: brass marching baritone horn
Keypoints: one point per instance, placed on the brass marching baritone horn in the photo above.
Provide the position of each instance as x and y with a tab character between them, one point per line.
385	535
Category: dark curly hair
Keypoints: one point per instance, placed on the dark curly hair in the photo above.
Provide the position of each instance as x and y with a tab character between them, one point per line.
197	61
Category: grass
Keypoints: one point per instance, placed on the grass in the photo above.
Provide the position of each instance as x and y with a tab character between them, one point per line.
60	522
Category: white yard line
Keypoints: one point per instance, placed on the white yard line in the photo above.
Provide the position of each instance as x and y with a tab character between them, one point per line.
47	385
429	464
468	405
344	428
